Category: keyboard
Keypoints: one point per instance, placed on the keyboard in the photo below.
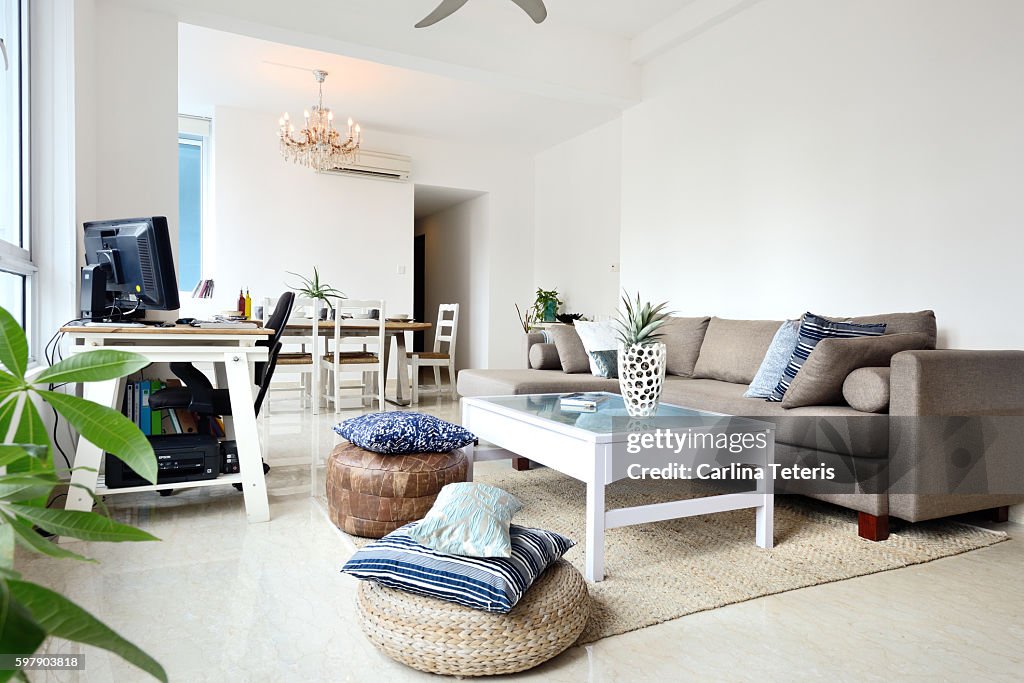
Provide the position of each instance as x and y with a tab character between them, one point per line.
109	325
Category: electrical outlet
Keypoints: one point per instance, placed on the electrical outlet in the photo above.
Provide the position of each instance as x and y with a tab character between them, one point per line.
401	270
615	267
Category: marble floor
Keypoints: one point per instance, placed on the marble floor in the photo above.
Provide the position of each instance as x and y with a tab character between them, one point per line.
221	600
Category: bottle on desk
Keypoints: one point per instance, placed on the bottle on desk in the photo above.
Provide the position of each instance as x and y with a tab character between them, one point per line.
248	306
241	303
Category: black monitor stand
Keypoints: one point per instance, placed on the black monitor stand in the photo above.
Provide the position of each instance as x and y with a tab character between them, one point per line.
99	305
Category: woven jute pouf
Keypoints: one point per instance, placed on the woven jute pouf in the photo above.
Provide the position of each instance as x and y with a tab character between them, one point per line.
444	638
371	495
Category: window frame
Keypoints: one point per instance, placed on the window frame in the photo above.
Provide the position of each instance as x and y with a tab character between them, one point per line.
197	131
15	258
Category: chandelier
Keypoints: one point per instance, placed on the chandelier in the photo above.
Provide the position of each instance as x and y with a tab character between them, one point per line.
319	145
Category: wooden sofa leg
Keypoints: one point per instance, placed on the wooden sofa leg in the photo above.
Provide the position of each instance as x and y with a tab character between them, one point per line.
871	527
520	464
1000	514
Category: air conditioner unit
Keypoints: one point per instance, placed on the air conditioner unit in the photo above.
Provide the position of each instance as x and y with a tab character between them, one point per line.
370	164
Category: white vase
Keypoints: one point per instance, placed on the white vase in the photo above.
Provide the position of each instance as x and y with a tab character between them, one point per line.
642	377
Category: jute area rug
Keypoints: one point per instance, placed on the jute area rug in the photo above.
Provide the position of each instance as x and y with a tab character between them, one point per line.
666	570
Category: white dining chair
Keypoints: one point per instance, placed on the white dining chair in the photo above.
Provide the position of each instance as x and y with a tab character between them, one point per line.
298	355
350	330
445	335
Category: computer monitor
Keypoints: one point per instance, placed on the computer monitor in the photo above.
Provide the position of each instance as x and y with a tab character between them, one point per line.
129	269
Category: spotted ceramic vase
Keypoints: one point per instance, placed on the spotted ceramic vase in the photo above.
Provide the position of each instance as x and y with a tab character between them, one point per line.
642	377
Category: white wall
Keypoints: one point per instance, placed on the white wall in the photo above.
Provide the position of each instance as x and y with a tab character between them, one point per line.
454	239
126	91
273	216
578	203
842	156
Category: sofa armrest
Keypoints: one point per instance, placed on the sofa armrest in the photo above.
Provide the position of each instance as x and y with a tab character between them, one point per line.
956	432
529	339
957	382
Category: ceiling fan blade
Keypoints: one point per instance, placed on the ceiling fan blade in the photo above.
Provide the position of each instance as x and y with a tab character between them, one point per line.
443	11
535	8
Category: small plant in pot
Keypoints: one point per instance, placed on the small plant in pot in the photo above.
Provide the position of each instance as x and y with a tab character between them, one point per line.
312	288
545	306
642	358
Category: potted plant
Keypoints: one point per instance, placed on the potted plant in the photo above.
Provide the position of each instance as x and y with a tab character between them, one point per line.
312	288
30	612
642	358
545	306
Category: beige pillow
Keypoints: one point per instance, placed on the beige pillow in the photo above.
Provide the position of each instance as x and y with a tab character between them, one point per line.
820	381
732	350
570	349
867	389
544	357
682	338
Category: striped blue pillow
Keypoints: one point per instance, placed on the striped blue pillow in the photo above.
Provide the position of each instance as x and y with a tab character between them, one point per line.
492	584
814	328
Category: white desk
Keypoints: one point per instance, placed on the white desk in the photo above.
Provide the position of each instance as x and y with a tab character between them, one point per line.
234	355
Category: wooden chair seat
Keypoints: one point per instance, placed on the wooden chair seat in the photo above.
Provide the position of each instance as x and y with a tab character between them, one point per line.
428	355
295	359
353	358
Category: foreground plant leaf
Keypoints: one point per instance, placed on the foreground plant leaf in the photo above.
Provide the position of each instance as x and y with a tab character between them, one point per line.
65	619
13	345
19	632
93	366
87	526
108	429
28	538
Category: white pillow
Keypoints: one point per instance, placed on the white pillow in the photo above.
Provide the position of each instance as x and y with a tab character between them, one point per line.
597	337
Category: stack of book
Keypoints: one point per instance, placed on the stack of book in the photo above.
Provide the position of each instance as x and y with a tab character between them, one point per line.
157	422
582	402
203	290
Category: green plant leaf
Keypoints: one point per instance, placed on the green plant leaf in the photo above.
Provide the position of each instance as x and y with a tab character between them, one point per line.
20	633
6	546
31	429
13	345
87	526
9	383
19	487
93	366
108	429
63	618
10	453
28	538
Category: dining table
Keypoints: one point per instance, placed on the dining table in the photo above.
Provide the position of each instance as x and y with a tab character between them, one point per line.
355	328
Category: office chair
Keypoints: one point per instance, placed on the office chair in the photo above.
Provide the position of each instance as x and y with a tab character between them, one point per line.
198	394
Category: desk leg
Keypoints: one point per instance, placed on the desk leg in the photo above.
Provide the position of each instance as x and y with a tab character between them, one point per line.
402	386
250	460
88	455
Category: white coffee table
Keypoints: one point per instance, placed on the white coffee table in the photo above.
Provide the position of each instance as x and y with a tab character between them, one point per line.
591	447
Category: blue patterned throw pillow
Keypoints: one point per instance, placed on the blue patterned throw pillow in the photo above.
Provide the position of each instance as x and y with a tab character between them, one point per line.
607	363
775	361
469	519
401	432
492	584
814	328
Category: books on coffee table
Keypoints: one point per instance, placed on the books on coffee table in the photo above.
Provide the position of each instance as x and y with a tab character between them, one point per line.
582	401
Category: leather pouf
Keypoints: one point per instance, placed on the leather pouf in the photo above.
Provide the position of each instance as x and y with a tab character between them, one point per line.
371	494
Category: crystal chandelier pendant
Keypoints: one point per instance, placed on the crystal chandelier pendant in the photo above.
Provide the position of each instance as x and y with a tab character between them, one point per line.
319	145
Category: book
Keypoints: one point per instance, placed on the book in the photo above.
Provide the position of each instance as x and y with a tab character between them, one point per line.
589	400
145	414
156	416
130	404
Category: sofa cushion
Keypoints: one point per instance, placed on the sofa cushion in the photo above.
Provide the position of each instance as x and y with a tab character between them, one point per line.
732	350
820	380
683	338
509	382
570	349
596	336
607	363
544	357
867	389
775	360
922	322
814	328
832	429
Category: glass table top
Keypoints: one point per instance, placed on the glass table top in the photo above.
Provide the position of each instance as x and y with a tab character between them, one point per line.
610	415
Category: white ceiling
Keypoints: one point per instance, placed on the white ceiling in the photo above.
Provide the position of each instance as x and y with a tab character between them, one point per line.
624	18
219	68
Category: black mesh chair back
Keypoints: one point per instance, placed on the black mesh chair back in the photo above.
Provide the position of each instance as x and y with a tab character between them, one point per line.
276	322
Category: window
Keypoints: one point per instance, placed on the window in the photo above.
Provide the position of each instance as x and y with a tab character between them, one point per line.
16	267
193	197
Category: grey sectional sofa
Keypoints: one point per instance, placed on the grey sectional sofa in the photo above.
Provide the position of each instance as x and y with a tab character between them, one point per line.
951	440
